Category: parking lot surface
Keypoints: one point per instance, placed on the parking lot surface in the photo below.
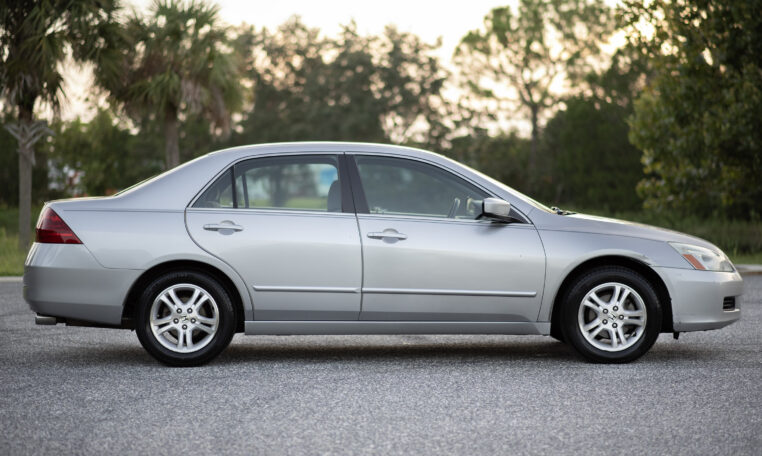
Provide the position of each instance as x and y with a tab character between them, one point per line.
89	391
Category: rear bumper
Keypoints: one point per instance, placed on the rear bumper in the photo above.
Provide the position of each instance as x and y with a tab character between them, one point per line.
65	281
697	298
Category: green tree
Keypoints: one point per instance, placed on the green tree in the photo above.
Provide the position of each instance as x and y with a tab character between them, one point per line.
503	156
533	54
589	159
34	39
175	63
593	163
698	122
352	87
624	79
103	155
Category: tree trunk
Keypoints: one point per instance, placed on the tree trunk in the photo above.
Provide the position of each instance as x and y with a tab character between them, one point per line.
171	138
26	161
25	197
27	133
533	148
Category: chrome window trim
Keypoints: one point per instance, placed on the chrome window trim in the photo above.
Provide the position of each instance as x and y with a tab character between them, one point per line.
421	218
274	211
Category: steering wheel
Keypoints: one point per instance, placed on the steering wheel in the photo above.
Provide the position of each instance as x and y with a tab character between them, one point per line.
454	208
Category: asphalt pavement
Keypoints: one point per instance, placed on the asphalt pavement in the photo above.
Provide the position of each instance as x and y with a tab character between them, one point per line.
66	390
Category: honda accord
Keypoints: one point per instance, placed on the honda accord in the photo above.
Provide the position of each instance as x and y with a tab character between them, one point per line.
351	238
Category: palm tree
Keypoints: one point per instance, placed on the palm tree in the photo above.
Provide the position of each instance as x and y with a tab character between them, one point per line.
175	62
35	37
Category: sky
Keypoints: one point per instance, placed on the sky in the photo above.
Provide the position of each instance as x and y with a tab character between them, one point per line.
448	20
429	19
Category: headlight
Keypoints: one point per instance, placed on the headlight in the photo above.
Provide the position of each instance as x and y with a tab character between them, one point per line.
703	258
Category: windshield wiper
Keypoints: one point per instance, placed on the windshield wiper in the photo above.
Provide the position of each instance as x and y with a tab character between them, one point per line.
560	211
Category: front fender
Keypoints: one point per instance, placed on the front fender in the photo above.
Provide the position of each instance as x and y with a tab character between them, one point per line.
567	250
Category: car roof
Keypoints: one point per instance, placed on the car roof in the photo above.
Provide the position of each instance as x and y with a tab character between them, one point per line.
322	146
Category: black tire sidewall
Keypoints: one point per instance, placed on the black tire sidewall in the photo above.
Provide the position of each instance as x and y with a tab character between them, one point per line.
221	339
573	300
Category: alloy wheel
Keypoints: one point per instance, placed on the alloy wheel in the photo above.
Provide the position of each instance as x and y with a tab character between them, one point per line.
184	318
612	317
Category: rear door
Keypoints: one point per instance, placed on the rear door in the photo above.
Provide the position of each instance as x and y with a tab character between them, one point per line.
427	258
287	225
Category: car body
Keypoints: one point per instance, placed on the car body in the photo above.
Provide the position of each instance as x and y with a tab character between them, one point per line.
353	238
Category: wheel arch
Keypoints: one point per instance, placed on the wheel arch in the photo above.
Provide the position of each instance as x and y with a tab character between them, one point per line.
130	301
614	260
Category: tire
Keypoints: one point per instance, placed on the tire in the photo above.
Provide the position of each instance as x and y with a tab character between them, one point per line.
185	318
605	329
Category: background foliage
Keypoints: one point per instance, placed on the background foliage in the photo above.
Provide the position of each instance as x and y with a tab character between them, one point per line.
665	131
698	121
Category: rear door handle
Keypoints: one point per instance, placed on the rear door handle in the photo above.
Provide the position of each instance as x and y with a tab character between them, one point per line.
387	234
223	226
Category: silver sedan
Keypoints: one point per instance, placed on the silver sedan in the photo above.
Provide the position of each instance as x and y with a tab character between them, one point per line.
349	238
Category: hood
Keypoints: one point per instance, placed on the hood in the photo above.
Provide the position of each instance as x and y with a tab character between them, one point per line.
602	225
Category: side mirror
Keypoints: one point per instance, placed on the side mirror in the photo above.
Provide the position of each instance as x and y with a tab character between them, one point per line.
496	209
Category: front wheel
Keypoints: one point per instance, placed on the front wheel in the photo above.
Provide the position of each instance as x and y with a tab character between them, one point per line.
611	315
185	318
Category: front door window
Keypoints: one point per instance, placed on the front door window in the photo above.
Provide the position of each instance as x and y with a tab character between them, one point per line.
405	187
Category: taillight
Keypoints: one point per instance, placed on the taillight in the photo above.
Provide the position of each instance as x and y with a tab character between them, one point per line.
51	229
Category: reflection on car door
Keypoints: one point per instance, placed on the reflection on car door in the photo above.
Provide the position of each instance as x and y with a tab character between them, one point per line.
425	256
290	231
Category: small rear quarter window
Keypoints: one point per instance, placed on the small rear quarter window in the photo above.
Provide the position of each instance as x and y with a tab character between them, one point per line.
219	194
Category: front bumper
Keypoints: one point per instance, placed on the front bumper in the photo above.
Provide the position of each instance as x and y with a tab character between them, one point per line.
65	281
697	297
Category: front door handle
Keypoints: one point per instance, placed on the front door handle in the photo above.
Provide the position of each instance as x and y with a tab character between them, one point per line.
226	225
387	234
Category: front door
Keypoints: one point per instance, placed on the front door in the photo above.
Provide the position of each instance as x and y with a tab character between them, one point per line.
289	230
427	258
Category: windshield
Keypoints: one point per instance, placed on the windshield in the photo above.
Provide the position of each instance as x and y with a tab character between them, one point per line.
520	195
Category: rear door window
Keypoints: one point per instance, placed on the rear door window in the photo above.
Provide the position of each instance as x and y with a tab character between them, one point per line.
307	183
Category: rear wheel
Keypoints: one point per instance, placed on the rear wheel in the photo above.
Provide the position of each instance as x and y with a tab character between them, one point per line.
185	318
611	314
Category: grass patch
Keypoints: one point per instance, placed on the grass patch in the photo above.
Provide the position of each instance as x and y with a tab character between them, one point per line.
11	258
747	258
9	218
737	238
